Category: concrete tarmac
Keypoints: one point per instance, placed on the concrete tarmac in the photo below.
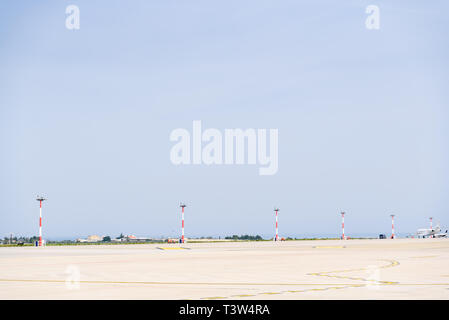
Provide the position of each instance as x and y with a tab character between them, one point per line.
320	269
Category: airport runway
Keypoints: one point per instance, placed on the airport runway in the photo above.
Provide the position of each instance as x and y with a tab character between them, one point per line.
322	269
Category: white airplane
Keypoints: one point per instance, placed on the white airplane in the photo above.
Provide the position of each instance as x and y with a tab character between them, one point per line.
431	233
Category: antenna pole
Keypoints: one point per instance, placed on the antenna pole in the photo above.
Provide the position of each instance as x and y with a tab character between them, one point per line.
40	199
277	233
182	205
392	227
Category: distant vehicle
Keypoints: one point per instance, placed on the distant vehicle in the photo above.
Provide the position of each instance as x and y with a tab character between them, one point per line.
431	233
382	236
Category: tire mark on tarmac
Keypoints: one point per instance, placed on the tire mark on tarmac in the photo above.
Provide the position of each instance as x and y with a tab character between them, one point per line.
392	263
170	283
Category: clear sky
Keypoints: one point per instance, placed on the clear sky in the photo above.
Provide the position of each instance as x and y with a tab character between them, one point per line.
85	115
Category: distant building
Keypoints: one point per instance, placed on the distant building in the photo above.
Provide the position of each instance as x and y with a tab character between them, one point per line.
133	238
94	238
127	238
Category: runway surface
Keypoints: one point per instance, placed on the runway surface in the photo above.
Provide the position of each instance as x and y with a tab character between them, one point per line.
322	269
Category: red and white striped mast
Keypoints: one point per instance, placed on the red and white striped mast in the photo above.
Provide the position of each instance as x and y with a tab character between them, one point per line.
182	205
343	225
392	227
277	233
40	199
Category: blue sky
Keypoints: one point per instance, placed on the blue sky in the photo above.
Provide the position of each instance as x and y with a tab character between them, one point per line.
86	115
